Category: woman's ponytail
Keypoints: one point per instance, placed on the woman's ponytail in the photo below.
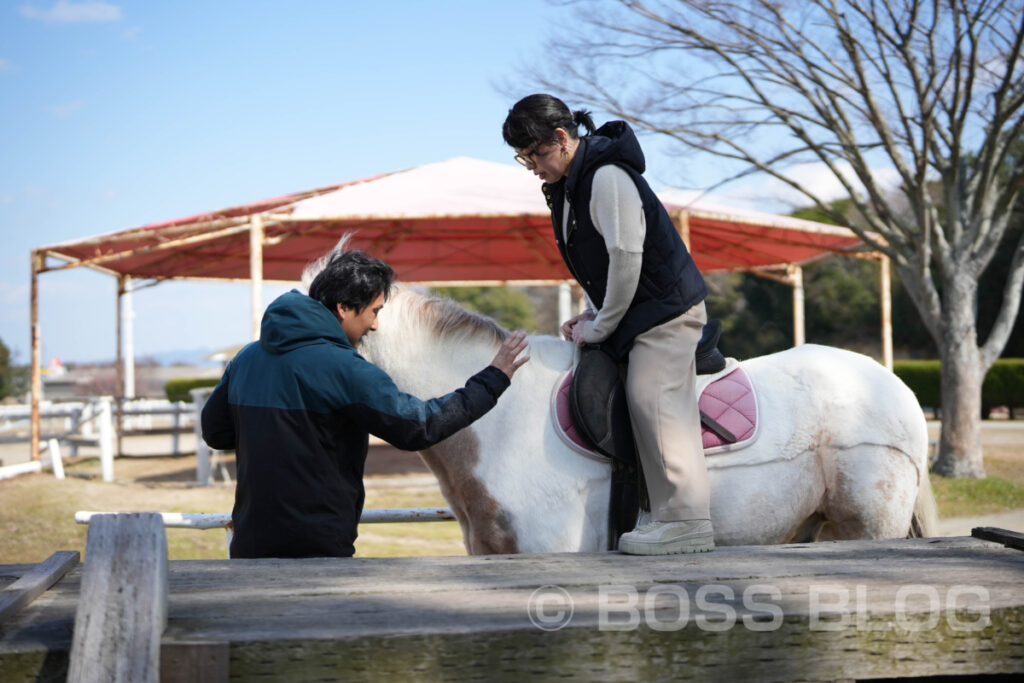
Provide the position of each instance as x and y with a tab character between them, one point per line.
581	117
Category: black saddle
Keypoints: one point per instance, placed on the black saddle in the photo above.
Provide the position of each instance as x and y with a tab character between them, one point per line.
709	359
597	405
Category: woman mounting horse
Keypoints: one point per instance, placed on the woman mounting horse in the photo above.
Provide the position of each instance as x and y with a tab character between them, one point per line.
647	303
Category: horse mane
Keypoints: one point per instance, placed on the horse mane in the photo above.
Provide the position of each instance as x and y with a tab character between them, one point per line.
446	318
314	267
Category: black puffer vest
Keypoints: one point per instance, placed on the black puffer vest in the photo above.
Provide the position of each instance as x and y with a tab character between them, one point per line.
670	282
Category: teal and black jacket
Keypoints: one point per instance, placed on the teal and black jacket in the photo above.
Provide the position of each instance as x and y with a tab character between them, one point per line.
297	408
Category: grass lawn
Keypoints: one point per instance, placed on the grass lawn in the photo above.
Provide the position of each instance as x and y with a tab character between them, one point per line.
1001	490
37	511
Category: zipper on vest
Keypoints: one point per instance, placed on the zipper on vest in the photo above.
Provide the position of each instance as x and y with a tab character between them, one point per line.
571	223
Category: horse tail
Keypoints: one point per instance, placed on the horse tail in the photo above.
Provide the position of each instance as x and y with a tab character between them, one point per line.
925	521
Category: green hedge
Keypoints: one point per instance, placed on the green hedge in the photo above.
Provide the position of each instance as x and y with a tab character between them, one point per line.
1003	385
924	377
177	389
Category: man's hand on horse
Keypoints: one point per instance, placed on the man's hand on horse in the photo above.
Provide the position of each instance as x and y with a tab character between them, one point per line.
506	360
569	324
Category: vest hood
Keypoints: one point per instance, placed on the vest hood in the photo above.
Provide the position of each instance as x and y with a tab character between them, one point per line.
613	143
294	320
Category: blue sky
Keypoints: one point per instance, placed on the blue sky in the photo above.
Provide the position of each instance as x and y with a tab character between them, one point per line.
116	114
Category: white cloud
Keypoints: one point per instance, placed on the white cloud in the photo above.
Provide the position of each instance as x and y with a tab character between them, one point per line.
72	12
65	110
7	66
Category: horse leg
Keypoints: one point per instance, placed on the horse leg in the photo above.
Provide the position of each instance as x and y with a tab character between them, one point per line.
808	530
871	494
486	527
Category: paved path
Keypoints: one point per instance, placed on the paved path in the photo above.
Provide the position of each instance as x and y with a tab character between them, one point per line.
961	526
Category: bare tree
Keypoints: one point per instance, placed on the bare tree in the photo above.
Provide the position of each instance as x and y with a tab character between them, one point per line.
933	91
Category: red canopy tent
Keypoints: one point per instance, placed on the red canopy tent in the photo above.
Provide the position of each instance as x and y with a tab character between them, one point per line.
456	221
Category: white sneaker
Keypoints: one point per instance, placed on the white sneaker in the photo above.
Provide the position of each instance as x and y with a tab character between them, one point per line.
669	538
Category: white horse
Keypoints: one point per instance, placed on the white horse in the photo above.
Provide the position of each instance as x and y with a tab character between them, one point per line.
841	451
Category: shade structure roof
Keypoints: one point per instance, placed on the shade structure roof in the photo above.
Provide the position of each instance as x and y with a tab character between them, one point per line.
457	220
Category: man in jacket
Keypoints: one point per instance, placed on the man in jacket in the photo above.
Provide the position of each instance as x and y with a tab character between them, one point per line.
298	405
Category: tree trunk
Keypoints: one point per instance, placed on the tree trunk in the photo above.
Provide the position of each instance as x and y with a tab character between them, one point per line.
962	374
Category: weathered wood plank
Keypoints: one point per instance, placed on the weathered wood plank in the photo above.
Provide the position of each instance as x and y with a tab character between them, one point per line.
195	662
1011	539
122	607
811	612
34	583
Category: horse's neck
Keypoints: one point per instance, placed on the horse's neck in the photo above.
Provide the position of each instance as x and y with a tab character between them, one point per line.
422	366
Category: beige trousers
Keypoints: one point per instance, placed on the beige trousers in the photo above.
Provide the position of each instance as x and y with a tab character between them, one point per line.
660	390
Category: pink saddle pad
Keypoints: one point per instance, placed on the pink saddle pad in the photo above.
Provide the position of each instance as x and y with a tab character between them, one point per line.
565	418
730	401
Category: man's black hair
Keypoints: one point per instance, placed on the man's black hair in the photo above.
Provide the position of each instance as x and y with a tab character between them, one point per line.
353	280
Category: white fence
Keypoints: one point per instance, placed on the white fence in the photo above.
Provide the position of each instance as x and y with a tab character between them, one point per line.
90	422
222	520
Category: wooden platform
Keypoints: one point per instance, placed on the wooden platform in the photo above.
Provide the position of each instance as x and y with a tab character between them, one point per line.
826	611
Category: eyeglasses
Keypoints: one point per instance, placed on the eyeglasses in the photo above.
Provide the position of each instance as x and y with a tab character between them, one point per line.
529	158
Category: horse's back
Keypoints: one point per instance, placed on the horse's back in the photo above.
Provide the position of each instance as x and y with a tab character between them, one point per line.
851	395
840	440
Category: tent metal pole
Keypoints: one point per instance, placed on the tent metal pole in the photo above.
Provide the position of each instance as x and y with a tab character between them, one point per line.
794	277
885	289
256	272
796	280
681	219
564	303
128	311
37	382
119	356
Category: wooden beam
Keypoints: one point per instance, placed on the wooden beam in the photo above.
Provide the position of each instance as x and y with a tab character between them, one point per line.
796	275
119	363
196	661
884	300
36	582
37	381
162	246
256	273
122	608
885	293
1010	539
768	273
681	219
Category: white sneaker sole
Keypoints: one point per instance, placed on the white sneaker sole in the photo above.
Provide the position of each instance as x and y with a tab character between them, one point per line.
704	543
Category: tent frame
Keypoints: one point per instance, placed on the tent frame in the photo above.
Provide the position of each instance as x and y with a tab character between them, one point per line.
255	223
